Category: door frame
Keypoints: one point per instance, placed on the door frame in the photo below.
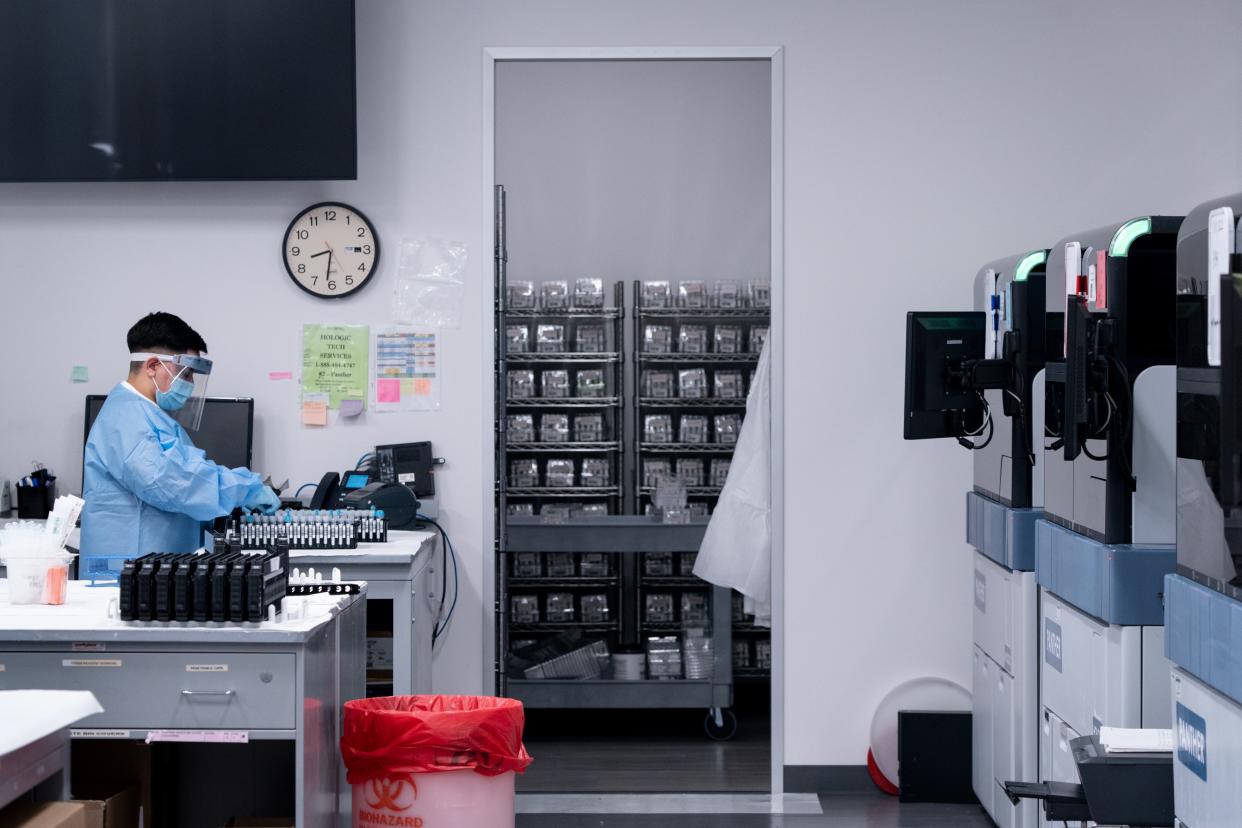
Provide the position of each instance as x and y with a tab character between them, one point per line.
775	56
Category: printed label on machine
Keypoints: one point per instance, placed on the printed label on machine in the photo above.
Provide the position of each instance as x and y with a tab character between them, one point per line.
1192	741
1052	644
206	668
981	591
90	662
96	733
1220	245
227	737
88	647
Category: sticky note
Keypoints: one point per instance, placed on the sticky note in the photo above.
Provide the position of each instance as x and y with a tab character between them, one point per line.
388	390
351	408
279	375
422	387
79	374
315	414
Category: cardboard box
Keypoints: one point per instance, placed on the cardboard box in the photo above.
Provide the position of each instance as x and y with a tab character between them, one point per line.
110	808
45	815
105	768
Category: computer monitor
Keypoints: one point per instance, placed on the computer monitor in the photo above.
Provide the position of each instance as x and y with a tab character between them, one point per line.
226	433
938	401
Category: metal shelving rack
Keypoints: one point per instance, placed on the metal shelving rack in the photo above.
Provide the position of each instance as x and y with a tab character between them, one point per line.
624	535
612	405
677	406
621	537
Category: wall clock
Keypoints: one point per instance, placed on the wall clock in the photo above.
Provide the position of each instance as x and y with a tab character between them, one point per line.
331	250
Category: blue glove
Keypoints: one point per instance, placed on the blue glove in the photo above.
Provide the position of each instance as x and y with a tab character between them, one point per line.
265	500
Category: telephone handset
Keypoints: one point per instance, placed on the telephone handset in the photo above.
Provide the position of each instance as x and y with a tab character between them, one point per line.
333	486
327	492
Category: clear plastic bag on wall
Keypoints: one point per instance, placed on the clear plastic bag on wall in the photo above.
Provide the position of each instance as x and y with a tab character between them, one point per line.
430	283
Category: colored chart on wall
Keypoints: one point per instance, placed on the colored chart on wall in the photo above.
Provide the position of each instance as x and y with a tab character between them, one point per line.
407	370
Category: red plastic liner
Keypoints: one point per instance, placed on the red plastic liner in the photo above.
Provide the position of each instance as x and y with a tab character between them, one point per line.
393	735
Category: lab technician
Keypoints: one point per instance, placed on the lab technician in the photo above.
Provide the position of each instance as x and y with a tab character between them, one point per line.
147	488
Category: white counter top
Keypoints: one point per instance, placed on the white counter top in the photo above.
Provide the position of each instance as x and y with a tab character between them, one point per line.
84	617
26	716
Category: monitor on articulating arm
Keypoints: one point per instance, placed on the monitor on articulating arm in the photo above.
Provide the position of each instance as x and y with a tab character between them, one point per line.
941	347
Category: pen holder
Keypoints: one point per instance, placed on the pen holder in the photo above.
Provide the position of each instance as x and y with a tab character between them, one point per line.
35	502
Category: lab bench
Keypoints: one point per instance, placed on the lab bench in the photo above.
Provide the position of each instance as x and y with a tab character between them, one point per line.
217	683
397	573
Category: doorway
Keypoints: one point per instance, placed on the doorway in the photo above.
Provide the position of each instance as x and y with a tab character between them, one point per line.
646	170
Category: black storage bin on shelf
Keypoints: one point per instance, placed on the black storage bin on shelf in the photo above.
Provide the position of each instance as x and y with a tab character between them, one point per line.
35	502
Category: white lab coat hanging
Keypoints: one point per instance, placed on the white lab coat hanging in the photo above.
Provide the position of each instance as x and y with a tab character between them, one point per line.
737	547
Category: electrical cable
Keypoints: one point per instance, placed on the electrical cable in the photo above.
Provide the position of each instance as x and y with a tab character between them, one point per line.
986	424
358	465
298	493
1027	437
1112	409
450	554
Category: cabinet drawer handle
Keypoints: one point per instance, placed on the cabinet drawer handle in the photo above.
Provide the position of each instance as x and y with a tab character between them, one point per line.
207	692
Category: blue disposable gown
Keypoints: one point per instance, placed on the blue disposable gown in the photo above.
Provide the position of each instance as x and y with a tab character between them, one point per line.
146	487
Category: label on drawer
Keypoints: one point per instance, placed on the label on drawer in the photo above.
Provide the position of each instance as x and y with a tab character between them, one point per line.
228	737
981	591
97	733
1192	741
1052	644
88	647
206	668
90	662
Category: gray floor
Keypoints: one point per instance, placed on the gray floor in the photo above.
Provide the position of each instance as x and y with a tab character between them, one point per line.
853	811
644	764
652	752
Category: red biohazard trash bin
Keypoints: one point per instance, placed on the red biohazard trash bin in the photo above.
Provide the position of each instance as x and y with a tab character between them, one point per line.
432	761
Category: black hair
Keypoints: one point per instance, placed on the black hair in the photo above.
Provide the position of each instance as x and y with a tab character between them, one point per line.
163	330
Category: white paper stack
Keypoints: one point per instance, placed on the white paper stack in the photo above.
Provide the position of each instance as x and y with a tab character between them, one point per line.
1136	740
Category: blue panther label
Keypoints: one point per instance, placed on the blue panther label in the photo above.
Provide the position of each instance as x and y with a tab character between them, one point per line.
1192	741
1052	644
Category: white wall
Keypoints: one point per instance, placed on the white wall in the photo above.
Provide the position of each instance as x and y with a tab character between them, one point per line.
910	129
628	170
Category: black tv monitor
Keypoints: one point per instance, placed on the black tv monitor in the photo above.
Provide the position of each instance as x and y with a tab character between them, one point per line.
1077	318
938	404
131	90
226	433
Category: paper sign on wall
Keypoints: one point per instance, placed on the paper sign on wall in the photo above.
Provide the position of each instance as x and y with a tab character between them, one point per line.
407	370
334	362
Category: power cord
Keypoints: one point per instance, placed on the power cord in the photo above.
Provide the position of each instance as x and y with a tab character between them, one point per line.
450	555
986	424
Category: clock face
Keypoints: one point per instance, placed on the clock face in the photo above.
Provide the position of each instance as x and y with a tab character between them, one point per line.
331	250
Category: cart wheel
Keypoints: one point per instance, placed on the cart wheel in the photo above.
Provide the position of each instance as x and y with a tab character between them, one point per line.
720	724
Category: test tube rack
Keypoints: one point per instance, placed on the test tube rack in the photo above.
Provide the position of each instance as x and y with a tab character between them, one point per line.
310	528
226	584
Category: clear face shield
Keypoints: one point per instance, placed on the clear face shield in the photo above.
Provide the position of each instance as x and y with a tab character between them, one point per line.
186	390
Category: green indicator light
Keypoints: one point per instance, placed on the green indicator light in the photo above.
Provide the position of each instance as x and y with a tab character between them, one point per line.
945	323
1126	235
1029	262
